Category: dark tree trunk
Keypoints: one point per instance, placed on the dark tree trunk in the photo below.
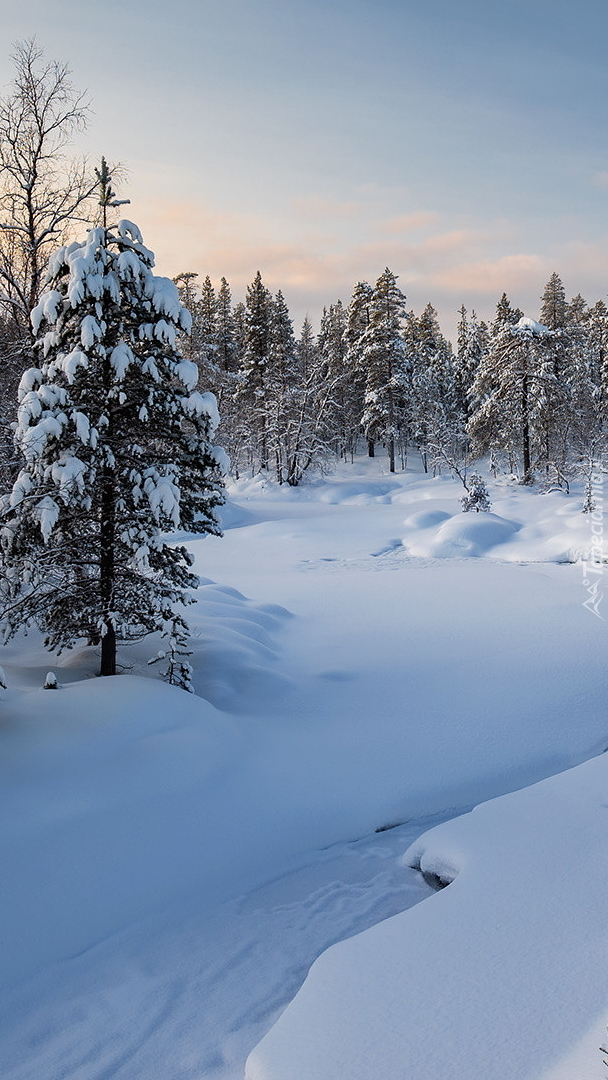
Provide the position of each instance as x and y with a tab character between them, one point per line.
106	577
108	651
525	431
107	538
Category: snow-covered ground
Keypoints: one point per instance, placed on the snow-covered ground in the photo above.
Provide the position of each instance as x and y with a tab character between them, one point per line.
366	658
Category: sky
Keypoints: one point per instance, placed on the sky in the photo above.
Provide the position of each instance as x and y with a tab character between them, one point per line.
462	143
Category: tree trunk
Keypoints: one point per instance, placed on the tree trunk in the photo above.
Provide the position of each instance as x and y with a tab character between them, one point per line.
108	651
106	576
107	543
525	431
370	448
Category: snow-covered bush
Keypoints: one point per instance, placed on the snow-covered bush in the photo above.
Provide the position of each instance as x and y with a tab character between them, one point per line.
177	669
476	496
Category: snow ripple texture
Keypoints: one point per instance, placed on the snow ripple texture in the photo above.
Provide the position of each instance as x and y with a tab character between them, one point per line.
192	999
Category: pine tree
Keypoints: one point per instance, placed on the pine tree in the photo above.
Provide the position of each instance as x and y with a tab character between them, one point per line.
310	425
187	294
341	371
357	322
116	448
583	435
476	497
226	345
553	304
506	315
434	415
306	348
598	354
384	357
201	342
516	390
239	315
252	393
471	348
206	327
283	386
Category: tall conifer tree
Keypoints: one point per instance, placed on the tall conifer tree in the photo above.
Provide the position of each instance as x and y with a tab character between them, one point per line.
116	446
384	357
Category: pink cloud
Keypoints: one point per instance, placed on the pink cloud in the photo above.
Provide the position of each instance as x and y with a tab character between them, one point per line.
490	277
314	268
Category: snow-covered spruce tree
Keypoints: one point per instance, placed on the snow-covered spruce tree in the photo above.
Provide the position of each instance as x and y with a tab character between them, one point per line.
311	422
282	387
434	418
476	497
517	392
251	397
116	442
472	347
341	370
357	322
200	344
384	356
226	353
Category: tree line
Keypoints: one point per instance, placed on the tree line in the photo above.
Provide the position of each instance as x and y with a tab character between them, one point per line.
531	394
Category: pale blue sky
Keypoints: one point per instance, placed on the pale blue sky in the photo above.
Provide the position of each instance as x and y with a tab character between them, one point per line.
461	143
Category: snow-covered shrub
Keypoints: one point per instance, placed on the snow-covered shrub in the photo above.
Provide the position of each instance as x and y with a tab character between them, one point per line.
177	670
476	496
50	683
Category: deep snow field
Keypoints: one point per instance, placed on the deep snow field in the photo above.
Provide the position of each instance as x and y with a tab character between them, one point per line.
370	664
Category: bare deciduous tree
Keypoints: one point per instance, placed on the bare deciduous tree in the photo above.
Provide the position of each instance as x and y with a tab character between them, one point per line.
42	193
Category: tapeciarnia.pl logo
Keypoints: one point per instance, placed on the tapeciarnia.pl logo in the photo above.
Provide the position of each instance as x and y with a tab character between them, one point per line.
593	570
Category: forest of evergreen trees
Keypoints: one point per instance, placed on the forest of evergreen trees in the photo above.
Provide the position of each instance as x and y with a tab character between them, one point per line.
531	395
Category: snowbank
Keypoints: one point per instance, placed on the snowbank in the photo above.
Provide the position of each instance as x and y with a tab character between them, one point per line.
500	974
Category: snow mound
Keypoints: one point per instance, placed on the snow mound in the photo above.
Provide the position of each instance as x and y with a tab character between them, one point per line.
233	516
235	653
470	535
425	519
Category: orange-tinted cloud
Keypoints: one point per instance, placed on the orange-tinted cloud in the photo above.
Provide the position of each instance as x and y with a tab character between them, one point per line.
314	267
490	276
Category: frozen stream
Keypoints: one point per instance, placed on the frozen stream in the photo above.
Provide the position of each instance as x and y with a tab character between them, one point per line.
191	999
